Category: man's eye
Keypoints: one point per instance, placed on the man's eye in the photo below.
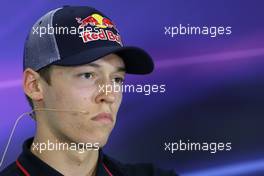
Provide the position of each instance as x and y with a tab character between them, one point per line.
86	75
118	80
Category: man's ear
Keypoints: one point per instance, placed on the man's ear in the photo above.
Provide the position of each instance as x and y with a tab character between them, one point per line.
32	85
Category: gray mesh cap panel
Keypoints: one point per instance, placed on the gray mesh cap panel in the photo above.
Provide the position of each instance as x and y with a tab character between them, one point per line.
41	47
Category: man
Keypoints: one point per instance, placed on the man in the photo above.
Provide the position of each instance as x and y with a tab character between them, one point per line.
70	54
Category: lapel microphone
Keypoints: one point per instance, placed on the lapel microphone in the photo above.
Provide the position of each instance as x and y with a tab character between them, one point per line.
58	110
31	114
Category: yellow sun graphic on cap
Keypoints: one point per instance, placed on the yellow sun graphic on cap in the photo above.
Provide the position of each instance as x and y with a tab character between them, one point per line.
99	18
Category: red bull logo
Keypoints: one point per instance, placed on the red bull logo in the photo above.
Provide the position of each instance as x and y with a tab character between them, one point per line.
96	20
96	34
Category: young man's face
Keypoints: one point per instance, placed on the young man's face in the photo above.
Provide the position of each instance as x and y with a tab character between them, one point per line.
77	88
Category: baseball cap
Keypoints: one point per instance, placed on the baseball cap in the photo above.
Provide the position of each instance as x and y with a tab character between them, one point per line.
77	35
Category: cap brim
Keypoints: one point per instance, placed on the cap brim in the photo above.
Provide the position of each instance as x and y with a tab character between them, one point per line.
136	60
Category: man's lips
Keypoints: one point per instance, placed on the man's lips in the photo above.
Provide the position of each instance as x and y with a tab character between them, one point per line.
103	117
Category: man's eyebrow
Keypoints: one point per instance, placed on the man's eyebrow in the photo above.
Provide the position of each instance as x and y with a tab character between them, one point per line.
119	69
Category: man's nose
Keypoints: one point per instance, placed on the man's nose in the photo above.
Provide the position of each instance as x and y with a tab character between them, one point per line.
105	93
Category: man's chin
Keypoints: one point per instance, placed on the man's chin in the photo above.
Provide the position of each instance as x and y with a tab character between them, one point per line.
100	141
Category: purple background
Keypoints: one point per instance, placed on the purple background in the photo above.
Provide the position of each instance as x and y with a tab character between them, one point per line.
214	85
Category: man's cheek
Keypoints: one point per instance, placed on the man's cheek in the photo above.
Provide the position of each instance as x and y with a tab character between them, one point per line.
76	97
119	98
84	93
58	94
118	103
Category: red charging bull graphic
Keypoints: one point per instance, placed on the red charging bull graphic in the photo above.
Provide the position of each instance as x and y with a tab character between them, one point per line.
102	33
88	20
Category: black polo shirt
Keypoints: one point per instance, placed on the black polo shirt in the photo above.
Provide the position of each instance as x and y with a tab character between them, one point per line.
28	164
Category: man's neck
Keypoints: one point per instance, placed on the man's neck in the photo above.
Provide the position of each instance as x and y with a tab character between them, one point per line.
67	162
